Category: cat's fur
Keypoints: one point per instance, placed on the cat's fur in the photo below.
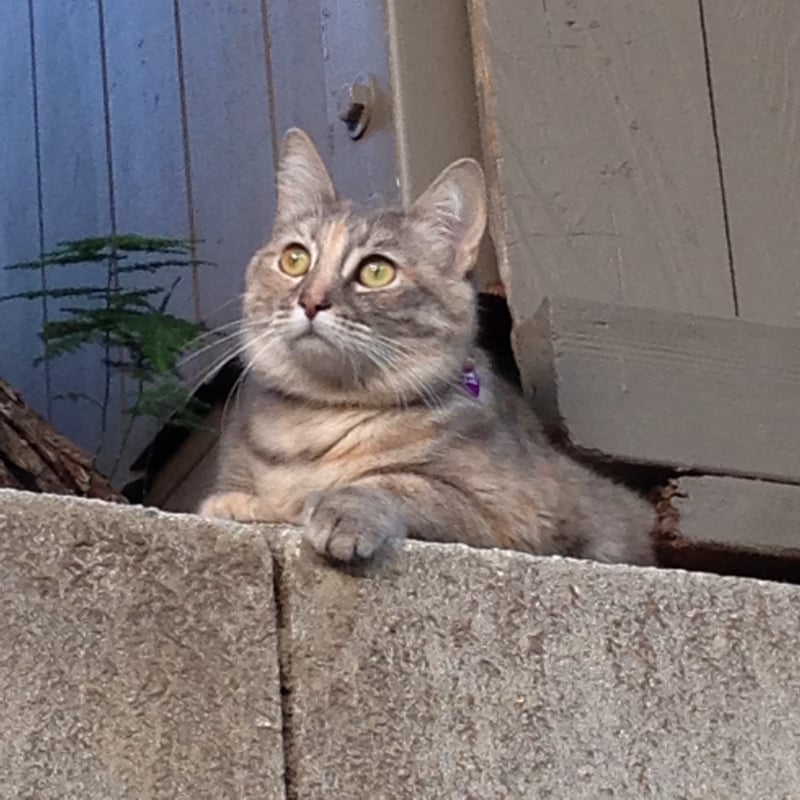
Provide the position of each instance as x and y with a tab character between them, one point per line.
354	423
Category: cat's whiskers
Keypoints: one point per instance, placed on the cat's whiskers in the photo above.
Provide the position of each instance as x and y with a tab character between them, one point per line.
191	356
391	358
265	339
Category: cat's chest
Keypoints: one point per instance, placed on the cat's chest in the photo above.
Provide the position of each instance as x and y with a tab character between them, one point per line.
298	451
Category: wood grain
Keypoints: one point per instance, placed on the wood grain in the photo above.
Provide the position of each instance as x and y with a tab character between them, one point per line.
35	458
754	56
598	141
738	514
689	392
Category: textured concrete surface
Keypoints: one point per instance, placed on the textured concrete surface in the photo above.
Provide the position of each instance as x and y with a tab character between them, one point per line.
466	674
138	655
138	659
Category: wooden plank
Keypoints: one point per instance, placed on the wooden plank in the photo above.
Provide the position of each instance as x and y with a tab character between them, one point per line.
600	154
148	148
297	69
433	98
354	41
732	513
19	215
689	392
755	70
75	190
230	139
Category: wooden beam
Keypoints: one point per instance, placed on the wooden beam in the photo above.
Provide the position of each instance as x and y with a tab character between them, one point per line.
600	154
689	392
732	513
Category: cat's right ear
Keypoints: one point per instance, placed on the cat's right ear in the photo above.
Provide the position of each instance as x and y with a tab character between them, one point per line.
303	183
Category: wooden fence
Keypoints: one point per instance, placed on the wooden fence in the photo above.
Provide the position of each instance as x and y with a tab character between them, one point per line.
151	117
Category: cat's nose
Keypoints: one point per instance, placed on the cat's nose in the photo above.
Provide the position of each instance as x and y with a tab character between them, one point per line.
313	305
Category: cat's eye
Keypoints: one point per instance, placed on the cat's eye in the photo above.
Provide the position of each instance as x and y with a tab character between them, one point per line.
375	273
295	260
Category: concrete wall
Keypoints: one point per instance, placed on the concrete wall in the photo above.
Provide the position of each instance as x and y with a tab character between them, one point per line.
147	655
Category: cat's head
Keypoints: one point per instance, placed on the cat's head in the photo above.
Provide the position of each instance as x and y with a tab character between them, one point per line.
374	307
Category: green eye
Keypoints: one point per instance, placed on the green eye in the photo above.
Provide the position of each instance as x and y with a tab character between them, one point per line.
375	273
295	260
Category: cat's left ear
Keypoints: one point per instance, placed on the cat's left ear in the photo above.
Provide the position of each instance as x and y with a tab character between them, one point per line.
304	185
454	208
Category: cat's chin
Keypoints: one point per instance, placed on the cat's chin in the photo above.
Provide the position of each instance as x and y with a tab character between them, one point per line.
325	364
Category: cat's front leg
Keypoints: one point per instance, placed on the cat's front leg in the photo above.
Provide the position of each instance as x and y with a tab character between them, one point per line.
352	523
237	506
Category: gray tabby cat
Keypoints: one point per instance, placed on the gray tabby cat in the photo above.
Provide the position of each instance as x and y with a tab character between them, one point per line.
367	413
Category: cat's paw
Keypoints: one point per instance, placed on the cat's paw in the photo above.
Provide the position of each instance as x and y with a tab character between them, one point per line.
351	524
238	506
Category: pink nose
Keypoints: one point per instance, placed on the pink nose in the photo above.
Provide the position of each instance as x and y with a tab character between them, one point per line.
313	305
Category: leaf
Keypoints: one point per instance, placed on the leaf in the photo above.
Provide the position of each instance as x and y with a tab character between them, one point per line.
71	291
171	400
153	266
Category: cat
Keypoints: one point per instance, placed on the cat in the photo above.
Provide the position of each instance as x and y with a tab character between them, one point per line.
368	414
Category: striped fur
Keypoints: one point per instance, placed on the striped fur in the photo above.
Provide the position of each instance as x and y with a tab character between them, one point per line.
354	423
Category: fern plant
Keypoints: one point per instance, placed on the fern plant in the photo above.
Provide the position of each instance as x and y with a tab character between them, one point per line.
139	336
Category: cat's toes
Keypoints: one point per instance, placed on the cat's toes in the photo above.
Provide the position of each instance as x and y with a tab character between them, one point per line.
238	506
350	524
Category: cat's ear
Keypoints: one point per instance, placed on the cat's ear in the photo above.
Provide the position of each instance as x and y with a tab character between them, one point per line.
303	184
453	207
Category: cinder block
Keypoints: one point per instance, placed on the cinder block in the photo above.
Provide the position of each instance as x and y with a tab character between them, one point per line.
486	674
138	655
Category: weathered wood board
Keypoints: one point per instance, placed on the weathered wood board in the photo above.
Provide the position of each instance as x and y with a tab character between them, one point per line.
754	57
230	140
433	91
354	41
689	392
151	194
600	154
19	212
76	202
734	513
297	70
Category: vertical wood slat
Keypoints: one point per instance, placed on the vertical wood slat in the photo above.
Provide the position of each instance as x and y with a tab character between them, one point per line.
229	135
354	40
754	59
75	197
297	68
19	214
148	155
434	100
597	134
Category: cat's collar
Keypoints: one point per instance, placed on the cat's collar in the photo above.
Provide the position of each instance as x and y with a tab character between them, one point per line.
469	381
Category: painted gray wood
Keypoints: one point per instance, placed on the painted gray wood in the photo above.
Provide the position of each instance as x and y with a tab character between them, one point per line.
354	40
755	68
297	70
433	96
757	516
19	216
689	392
230	140
148	156
75	191
598	140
